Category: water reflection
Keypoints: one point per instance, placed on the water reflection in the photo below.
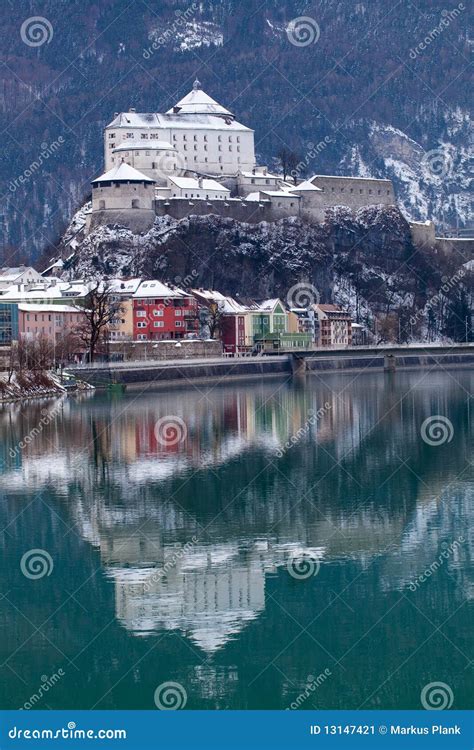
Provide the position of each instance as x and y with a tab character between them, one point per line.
190	534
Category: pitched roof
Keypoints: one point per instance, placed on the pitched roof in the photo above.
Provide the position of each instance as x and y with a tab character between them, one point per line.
197	102
156	120
122	173
192	183
154	288
306	185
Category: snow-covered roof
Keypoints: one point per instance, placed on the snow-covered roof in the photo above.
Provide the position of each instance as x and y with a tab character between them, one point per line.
43	291
269	304
31	307
226	304
124	286
157	121
122	173
152	145
10	274
343	177
280	194
191	183
197	102
154	288
260	175
306	185
253	197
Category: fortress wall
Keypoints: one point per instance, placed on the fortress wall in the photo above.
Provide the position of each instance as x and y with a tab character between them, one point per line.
353	192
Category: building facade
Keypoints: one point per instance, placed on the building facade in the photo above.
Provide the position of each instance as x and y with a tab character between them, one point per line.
205	137
160	312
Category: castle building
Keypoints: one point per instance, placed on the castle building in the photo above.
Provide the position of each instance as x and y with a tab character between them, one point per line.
198	135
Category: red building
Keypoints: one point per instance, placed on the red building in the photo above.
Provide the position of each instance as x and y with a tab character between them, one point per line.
160	312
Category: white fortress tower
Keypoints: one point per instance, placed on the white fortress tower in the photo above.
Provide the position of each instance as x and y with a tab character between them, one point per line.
197	135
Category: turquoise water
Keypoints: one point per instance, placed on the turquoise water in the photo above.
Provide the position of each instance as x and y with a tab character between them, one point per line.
281	536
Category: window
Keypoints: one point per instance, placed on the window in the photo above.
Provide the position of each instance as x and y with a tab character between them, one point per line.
219	148
184	137
370	191
195	148
141	325
185	147
141	314
219	138
238	139
205	148
252	181
158	324
158	313
238	149
360	191
144	136
111	135
195	137
135	203
178	324
205	138
129	135
178	312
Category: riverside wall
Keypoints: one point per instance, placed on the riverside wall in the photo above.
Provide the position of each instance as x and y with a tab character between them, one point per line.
224	370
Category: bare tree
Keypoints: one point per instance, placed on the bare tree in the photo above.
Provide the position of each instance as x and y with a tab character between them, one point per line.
98	316
290	163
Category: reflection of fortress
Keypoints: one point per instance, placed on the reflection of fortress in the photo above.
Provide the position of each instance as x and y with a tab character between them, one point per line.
212	588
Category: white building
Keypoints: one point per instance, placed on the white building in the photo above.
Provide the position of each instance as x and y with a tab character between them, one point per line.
18	275
200	187
203	135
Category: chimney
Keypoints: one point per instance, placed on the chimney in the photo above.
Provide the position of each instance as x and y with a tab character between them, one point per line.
116	114
132	109
200	181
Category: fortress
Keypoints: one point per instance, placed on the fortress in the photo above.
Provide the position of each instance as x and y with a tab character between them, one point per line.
198	159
